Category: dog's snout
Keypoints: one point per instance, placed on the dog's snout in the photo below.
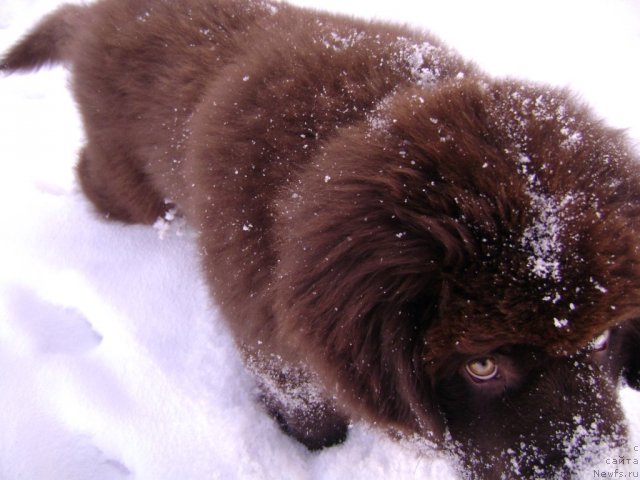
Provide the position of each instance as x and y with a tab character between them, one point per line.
561	419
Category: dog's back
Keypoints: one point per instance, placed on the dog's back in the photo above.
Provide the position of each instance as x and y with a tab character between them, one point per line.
139	68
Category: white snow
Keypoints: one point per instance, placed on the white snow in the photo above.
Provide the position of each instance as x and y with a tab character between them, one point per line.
338	43
542	237
424	60
113	363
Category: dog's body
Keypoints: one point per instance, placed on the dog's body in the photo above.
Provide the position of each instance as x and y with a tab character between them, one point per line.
391	234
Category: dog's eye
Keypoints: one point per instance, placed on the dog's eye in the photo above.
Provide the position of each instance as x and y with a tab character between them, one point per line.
600	342
482	369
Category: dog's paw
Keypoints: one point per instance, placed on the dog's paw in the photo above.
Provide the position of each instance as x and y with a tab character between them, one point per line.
316	425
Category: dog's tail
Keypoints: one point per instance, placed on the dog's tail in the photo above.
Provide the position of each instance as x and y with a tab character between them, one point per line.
48	43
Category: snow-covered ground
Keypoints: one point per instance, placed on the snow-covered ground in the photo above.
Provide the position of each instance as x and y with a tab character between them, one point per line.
113	363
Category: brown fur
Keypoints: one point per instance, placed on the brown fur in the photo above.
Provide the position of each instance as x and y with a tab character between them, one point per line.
374	213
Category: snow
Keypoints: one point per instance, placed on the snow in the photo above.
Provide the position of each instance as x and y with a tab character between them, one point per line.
114	363
336	42
543	235
416	56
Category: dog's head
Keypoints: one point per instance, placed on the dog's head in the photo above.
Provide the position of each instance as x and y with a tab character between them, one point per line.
465	263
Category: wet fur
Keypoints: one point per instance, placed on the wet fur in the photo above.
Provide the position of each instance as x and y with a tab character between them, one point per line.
368	223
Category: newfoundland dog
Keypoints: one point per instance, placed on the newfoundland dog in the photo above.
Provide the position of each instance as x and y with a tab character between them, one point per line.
393	235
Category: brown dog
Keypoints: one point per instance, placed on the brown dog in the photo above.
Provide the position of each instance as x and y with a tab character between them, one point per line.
392	235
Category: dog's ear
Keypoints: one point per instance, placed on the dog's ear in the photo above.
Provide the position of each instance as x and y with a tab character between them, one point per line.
362	272
630	353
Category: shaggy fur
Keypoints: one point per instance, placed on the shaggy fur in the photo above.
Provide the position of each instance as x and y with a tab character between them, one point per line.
376	218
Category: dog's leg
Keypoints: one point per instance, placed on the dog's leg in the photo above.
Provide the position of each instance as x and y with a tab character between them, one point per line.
300	407
118	189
